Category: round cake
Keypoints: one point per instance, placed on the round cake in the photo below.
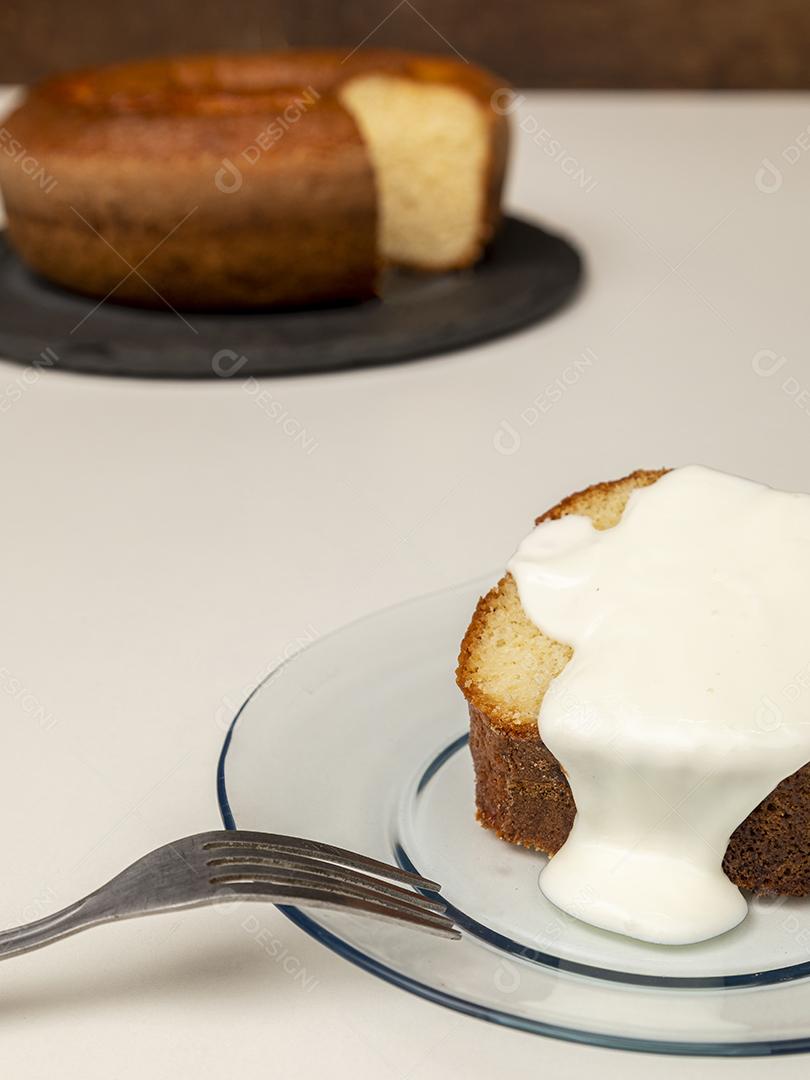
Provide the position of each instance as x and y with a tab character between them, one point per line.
255	180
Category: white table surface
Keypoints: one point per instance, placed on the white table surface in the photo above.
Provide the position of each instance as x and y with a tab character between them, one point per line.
164	543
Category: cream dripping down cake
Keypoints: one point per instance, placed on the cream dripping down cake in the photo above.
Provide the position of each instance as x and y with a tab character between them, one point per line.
632	688
256	180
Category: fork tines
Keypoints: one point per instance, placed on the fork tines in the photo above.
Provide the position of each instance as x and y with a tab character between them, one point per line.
292	870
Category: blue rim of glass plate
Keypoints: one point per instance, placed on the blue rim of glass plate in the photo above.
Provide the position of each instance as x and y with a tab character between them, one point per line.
759	1048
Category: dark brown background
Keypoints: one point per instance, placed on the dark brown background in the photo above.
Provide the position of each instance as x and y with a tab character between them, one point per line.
717	44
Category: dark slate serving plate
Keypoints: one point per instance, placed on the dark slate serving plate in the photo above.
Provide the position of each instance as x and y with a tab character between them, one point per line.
527	274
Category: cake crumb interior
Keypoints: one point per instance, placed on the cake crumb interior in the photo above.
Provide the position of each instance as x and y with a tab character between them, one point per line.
429	146
507	663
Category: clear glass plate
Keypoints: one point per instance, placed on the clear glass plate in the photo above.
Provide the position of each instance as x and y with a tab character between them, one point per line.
360	740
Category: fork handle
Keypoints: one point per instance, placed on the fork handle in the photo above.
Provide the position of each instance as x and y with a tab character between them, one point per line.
70	920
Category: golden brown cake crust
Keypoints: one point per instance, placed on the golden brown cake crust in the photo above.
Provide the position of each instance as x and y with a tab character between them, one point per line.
134	148
475	693
523	795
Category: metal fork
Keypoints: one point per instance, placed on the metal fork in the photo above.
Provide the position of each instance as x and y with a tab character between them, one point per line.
225	866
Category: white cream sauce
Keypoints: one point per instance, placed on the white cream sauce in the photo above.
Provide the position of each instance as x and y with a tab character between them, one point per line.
688	620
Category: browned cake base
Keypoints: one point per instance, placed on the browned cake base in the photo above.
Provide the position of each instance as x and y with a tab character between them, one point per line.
523	795
521	792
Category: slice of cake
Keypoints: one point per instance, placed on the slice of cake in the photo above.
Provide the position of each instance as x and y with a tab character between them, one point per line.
505	669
